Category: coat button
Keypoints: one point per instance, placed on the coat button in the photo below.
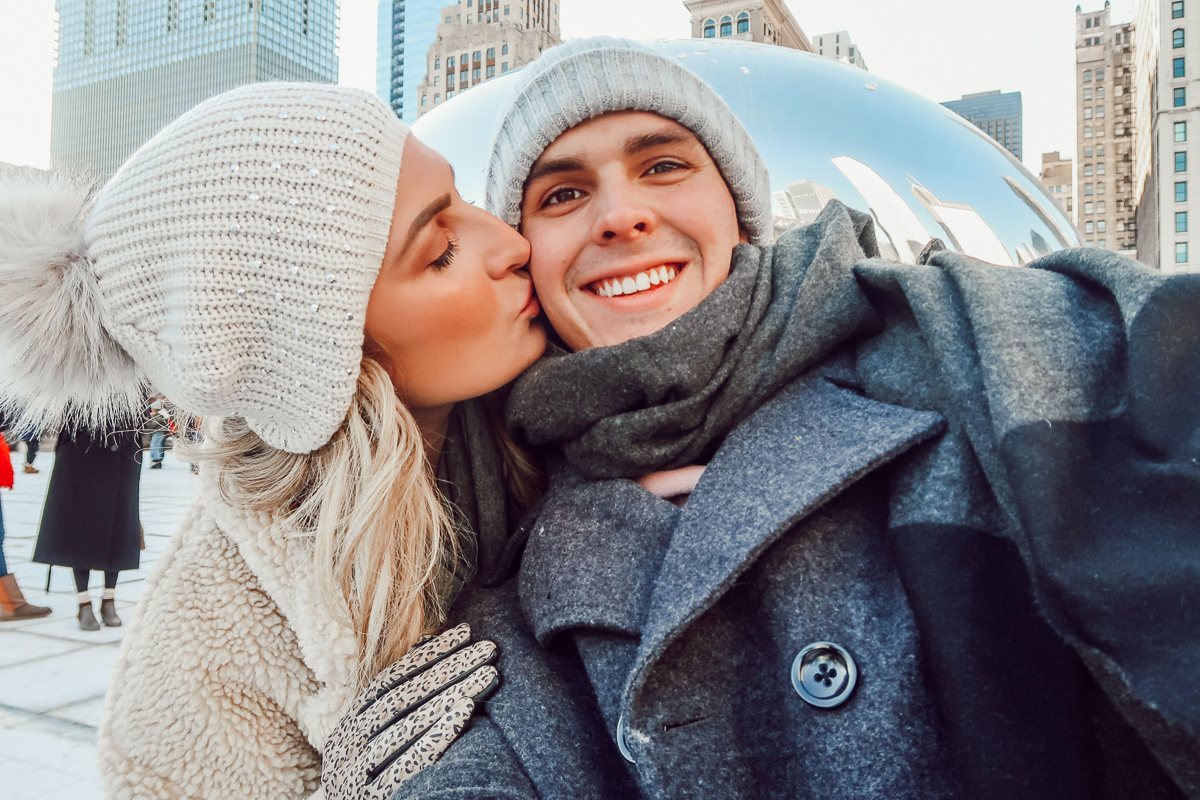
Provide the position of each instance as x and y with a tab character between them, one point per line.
824	674
622	744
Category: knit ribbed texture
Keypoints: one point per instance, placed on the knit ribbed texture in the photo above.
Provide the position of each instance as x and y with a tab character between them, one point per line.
585	78
235	252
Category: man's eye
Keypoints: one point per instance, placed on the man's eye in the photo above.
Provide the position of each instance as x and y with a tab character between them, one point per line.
563	196
664	167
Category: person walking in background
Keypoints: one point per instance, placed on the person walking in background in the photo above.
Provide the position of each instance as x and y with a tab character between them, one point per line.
12	602
32	440
158	425
90	519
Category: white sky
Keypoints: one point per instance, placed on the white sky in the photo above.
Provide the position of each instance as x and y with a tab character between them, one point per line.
939	48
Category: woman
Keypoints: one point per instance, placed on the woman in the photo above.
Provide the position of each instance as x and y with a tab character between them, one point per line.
12	602
90	518
288	263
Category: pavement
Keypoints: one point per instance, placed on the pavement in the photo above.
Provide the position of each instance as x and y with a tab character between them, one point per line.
53	676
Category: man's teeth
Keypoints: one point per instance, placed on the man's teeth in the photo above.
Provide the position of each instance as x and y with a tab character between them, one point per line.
638	283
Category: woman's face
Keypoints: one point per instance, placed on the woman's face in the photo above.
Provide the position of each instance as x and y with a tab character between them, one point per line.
452	314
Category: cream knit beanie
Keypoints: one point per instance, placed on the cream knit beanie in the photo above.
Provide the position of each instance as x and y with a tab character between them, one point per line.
586	78
228	262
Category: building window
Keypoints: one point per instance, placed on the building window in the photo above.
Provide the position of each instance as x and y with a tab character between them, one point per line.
506	11
1177	9
1089	189
1100	168
504	50
437	80
1178	68
1181	162
743	25
1100	187
1181	252
1087	208
1087	171
1087	75
462	78
1087	152
1100	207
1087	131
491	70
1181	222
477	55
726	26
449	93
1087	113
491	53
503	67
437	63
1177	37
1089	227
710	29
1087	23
475	74
450	62
450	80
1087	94
1100	92
1181	131
1100	74
1100	226
425	102
1180	96
437	98
1180	191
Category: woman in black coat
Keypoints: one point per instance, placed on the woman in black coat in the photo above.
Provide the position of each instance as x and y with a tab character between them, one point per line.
90	520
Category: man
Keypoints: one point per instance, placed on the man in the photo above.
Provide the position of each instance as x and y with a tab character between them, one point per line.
932	530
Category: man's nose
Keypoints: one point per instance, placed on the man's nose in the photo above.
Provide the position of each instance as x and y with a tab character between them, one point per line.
625	215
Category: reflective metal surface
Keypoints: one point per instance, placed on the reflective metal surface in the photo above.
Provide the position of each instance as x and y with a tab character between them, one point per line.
829	130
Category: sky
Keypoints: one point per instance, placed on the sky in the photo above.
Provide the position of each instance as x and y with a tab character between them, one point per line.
941	49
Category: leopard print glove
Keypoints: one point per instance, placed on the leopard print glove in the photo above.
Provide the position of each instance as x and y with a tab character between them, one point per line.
407	716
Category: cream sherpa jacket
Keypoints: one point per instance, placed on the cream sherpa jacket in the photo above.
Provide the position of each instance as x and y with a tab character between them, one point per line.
231	676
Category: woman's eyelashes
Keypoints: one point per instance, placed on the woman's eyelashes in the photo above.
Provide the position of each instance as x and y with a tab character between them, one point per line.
447	256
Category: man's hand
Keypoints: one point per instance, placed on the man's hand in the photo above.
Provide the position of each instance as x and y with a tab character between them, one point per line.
408	716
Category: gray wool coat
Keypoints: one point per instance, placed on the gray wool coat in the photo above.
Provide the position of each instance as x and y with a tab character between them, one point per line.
991	501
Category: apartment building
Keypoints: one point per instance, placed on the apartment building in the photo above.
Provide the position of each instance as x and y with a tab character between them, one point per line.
477	40
764	21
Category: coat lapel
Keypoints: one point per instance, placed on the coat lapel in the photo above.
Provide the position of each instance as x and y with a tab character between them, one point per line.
795	452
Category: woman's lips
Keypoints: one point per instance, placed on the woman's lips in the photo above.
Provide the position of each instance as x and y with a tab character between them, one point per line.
532	307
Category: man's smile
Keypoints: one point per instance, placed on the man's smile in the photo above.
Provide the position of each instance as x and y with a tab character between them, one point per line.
641	281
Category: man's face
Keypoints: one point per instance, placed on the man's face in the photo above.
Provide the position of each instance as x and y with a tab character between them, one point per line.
630	225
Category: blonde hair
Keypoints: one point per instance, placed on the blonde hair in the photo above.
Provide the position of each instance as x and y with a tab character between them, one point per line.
383	543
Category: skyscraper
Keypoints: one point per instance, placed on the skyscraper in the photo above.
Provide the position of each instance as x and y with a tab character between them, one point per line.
406	30
997	115
126	68
1104	131
1168	119
480	39
1059	179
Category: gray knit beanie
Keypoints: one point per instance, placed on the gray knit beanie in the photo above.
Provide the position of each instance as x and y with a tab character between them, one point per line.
586	78
228	263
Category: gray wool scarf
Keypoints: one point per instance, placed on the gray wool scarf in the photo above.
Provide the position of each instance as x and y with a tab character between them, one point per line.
668	399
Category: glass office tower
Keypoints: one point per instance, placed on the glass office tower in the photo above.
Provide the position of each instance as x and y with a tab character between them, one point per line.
406	29
126	68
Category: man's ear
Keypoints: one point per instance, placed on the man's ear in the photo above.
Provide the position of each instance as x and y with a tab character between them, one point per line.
743	235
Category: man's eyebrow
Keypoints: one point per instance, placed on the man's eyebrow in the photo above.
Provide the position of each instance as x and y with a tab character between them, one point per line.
553	167
429	212
637	144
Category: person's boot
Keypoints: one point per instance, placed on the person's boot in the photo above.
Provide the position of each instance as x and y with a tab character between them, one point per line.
12	602
30	469
108	613
87	619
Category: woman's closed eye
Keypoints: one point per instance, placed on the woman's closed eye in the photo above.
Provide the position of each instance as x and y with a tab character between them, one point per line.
447	256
